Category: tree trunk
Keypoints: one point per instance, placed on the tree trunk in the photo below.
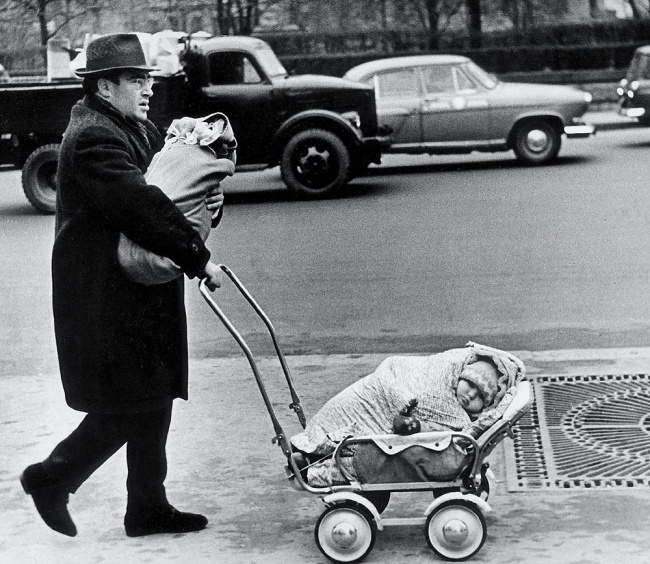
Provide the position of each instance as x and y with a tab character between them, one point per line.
433	18
474	15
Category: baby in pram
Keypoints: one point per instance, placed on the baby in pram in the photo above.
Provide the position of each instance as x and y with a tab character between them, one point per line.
465	389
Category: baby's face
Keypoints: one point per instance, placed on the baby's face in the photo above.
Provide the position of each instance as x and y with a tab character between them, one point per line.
467	393
469	397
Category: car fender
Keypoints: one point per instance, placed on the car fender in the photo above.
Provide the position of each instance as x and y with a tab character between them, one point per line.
323	119
551	116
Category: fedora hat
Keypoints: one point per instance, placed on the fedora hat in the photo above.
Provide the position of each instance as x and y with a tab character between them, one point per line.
113	52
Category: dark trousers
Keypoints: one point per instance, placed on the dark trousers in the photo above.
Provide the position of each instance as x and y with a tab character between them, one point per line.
99	436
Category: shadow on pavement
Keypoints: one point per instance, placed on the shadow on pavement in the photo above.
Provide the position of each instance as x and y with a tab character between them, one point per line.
468	166
352	190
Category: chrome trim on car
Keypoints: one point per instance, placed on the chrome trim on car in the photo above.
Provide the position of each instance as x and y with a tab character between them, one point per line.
632	112
584	130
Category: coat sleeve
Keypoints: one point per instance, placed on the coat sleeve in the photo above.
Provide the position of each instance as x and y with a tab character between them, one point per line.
115	185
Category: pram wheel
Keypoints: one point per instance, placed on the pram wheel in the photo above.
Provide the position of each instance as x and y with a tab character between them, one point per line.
379	499
345	532
456	530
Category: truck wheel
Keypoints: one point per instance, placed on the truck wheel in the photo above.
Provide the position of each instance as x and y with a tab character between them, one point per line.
315	164
39	178
536	142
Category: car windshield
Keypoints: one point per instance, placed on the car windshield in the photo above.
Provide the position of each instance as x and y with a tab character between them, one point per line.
486	79
639	67
270	63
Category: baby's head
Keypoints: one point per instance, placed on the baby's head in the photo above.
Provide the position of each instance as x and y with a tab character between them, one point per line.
478	385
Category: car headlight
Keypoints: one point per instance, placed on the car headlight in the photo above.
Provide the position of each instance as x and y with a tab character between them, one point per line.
354	118
620	91
634	85
588	97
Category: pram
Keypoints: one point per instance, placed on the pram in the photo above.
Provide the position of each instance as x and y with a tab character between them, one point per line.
452	465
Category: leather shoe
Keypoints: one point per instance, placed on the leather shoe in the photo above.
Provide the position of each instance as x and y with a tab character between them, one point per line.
51	500
161	519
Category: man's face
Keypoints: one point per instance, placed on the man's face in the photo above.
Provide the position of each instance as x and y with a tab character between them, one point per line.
131	95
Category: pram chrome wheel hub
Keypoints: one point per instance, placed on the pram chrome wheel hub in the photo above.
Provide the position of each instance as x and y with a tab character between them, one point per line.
456	530
345	532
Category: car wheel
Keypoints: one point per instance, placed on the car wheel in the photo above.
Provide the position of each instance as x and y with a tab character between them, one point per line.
315	164
537	142
39	178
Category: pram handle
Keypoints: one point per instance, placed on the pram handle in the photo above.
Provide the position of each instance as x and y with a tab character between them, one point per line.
295	400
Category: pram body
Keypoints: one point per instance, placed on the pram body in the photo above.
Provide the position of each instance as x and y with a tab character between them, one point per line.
452	465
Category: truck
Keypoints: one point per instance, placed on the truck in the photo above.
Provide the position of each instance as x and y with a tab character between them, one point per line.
322	131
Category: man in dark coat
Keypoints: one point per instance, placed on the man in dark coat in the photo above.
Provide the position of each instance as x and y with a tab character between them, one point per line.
122	346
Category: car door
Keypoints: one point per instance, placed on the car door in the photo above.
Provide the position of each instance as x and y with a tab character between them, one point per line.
238	88
455	108
398	103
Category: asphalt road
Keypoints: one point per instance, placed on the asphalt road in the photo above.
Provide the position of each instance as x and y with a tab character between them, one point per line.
421	254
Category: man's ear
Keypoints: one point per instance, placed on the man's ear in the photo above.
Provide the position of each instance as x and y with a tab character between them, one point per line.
103	88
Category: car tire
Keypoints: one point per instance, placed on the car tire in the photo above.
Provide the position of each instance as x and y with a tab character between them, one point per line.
39	178
536	142
315	163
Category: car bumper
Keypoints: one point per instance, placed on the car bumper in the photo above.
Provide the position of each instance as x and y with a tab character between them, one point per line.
632	112
579	129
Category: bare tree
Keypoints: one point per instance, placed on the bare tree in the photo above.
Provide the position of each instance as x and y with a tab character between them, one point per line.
474	21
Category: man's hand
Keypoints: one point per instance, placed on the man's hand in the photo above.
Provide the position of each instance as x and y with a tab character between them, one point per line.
213	276
214	200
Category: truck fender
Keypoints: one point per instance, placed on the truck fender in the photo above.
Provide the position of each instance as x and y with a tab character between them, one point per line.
322	119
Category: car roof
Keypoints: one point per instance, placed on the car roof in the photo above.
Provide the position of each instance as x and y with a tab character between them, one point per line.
235	42
645	50
371	67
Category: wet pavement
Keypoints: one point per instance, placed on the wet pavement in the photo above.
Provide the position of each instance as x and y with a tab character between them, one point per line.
222	464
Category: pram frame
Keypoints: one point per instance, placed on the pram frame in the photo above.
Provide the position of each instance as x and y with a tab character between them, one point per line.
467	487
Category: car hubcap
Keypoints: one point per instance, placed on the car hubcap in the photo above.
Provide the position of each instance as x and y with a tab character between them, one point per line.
537	140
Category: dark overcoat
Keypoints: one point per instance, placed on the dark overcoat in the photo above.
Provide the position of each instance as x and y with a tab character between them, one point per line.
122	346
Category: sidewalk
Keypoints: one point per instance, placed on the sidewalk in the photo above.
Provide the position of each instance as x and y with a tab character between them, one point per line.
222	463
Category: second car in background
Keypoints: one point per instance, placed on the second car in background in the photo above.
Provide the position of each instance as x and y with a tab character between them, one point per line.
441	104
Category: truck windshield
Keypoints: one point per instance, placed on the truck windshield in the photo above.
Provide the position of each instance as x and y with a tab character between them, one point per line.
270	63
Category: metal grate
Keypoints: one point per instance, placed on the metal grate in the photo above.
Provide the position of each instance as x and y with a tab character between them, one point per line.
583	432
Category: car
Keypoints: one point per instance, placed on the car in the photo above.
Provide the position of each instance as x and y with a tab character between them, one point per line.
634	90
442	104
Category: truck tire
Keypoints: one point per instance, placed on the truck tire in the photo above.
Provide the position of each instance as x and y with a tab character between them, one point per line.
315	163
536	142
39	178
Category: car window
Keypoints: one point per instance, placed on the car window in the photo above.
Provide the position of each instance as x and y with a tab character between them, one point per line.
400	83
639	67
232	68
437	79
485	79
463	82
